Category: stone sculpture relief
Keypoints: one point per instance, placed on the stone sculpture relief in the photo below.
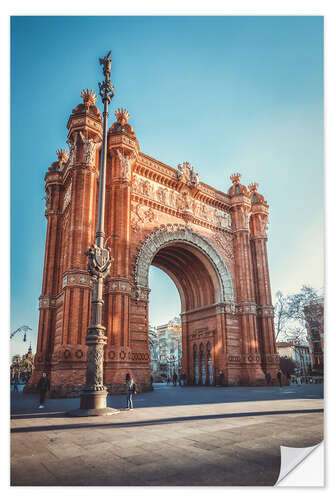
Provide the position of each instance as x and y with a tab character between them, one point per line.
225	242
72	150
142	215
89	150
67	196
126	164
186	174
180	201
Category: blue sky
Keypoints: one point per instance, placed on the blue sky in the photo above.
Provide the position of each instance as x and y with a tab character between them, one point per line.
224	93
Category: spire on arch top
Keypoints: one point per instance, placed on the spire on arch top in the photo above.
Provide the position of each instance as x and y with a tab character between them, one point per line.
89	98
237	187
255	196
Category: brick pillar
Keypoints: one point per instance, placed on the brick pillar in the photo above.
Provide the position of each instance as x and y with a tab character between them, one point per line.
71	225
265	311
119	293
251	371
53	183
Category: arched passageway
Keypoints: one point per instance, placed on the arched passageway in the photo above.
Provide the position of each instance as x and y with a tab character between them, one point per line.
203	281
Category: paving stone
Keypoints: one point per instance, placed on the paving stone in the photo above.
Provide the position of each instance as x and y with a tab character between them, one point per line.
211	444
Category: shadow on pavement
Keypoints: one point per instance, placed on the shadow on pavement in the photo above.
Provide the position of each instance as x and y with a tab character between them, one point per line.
145	423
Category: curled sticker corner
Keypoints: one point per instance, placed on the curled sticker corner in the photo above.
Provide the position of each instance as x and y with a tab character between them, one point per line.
291	458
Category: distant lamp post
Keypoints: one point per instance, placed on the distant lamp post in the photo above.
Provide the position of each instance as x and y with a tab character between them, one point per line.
93	397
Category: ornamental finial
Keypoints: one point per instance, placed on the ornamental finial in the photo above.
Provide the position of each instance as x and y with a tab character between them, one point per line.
235	178
106	63
89	97
62	156
122	116
253	187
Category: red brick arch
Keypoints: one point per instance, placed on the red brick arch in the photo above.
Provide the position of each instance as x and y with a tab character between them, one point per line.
212	244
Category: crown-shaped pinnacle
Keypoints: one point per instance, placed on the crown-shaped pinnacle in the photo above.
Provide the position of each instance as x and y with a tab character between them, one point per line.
235	178
89	97
253	187
122	116
62	156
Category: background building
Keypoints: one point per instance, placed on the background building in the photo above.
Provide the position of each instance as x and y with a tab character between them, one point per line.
22	366
314	314
170	347
165	344
154	353
299	353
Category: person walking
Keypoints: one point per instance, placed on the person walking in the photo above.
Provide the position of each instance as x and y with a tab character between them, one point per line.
279	377
175	378
268	378
131	389
16	381
221	378
288	378
43	386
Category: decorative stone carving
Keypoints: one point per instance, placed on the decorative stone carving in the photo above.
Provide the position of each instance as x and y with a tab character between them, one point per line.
72	150
186	174
142	215
94	376
180	233
67	196
222	219
48	199
62	157
126	164
89	150
264	225
225	242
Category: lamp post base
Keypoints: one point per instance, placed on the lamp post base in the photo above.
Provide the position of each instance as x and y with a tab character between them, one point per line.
92	412
93	404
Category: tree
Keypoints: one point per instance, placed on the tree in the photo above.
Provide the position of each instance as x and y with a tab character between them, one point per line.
289	317
280	314
287	365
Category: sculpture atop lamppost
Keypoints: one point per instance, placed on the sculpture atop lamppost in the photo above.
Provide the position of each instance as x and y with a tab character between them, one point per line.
94	394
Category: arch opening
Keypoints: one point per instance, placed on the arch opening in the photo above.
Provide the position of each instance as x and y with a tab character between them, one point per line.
203	282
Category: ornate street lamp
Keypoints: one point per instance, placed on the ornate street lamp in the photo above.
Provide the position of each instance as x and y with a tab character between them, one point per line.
94	394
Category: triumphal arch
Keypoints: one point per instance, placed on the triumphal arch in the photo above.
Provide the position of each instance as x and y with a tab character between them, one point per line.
212	245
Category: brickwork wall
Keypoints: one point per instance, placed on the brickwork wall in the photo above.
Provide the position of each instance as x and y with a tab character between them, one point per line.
221	272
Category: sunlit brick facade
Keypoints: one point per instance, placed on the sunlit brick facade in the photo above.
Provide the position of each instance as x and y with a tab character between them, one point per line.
212	244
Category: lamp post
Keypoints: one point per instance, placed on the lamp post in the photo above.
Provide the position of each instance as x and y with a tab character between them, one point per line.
93	396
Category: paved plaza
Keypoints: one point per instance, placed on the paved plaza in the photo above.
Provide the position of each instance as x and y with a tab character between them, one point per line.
175	436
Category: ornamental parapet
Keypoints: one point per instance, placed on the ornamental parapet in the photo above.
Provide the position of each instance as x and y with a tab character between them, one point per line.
118	285
45	302
81	278
271	358
251	358
86	121
265	311
122	141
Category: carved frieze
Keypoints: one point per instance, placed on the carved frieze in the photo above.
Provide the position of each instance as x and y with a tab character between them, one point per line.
44	302
71	279
183	202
